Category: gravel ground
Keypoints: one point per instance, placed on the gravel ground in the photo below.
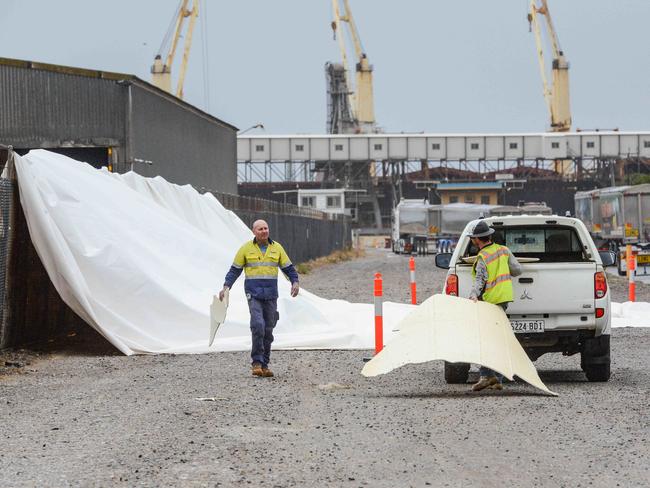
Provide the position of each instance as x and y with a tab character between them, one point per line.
94	419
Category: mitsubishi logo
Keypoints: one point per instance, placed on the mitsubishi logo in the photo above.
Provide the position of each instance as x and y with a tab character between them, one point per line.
525	295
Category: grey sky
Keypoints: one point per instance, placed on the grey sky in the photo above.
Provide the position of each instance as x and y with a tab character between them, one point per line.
440	66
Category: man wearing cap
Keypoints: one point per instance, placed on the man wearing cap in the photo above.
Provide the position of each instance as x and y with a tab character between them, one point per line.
260	260
492	274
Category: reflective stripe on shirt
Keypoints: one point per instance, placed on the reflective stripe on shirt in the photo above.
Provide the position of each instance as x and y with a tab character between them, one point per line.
261	263
497	280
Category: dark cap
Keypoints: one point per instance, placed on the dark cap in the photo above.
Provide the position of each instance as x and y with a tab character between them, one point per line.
482	230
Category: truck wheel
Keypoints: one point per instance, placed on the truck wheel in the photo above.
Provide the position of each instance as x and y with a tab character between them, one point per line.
597	372
595	358
456	373
618	268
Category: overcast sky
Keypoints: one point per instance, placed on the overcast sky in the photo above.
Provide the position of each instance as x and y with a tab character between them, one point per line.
440	66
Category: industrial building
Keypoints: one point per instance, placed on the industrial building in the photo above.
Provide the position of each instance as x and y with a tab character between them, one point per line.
115	120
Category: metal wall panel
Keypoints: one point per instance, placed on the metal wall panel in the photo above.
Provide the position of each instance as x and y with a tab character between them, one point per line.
554	148
590	146
475	148
41	108
437	147
644	146
417	148
574	148
456	148
299	148
184	146
359	149
514	147
320	149
533	146
280	149
379	148
609	146
629	144
339	149
260	150
244	149
494	148
397	148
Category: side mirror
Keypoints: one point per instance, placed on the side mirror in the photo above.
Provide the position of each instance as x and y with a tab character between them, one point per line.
443	260
607	257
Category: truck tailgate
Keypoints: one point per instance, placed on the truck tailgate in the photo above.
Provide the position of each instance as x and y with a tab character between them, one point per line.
546	288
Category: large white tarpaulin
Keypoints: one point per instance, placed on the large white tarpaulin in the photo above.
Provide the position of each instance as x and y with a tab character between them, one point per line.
140	260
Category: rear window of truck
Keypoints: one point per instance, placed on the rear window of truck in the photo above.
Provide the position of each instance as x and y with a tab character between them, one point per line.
551	244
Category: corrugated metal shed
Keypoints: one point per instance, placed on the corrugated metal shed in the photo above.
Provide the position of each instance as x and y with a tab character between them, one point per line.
115	118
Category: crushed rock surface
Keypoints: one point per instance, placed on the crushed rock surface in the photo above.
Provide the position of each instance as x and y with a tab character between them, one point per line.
75	419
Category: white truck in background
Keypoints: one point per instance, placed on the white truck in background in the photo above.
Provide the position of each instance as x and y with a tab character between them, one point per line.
617	216
420	227
561	301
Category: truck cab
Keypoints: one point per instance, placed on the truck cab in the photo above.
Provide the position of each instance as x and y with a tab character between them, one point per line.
561	301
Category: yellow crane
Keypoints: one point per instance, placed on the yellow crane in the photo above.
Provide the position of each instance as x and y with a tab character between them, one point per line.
557	94
161	74
361	97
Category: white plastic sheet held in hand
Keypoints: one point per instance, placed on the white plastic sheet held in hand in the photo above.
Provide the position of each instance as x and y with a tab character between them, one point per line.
217	314
457	330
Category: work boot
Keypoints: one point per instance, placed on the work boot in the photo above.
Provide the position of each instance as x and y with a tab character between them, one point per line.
257	369
267	373
484	382
496	386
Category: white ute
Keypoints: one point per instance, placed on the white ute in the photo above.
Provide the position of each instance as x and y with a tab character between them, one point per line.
561	299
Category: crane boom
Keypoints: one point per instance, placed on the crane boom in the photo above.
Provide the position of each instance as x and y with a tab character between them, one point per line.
161	73
362	97
557	94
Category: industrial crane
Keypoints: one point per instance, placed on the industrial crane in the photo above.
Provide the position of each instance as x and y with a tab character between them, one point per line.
556	95
162	73
360	101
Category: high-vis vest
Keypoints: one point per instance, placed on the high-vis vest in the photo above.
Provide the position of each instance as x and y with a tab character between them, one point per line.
498	288
261	269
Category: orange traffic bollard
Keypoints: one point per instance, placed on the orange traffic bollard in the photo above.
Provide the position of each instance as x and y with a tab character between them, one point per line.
414	299
631	266
379	319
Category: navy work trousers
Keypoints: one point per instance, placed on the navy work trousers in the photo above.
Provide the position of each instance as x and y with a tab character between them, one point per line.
264	315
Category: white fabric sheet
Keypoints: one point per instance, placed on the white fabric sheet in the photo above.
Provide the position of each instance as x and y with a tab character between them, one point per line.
457	330
140	259
631	314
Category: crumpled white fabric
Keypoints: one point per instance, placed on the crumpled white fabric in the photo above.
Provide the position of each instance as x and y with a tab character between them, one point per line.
140	259
631	314
457	330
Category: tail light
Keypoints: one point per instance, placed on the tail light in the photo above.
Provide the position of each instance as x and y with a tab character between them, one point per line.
600	312
451	285
600	284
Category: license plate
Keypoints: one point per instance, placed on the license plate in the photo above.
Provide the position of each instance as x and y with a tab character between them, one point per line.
527	326
643	259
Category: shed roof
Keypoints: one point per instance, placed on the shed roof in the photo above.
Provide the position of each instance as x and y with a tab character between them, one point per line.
108	75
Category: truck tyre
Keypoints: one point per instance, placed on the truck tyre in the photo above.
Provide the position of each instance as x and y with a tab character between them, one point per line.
456	373
595	358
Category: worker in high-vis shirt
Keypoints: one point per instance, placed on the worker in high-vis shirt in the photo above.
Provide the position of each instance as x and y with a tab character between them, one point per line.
492	274
260	260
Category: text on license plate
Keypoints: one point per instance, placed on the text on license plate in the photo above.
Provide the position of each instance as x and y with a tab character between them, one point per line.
644	259
527	326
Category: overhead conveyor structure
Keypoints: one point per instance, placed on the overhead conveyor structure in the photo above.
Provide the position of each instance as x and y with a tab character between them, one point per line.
293	157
